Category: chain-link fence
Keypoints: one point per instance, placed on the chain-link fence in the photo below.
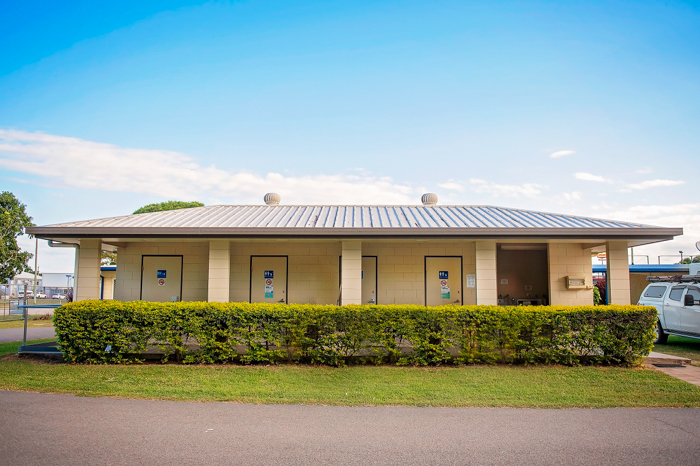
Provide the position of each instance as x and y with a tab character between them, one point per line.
13	300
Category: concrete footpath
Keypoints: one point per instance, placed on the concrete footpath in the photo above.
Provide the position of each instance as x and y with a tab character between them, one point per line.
33	333
47	429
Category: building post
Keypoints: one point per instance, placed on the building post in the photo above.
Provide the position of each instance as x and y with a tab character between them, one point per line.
87	271
486	283
219	282
618	272
351	273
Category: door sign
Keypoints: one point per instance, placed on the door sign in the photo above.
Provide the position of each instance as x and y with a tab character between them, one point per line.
443	274
161	281
445	292
269	274
269	289
443	282
161	274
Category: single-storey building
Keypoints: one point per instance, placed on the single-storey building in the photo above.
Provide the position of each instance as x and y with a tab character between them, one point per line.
328	254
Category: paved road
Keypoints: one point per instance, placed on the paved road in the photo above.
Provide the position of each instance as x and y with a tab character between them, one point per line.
42	429
15	334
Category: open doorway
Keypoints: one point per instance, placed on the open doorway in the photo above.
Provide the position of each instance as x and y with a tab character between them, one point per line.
522	274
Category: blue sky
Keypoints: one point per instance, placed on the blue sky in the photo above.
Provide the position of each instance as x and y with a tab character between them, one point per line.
587	108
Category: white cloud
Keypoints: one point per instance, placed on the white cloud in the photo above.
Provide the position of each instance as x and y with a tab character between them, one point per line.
655	184
644	171
506	190
49	259
452	186
572	196
686	216
561	153
74	162
591	177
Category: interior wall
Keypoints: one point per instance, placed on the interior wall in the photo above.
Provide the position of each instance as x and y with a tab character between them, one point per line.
569	259
521	269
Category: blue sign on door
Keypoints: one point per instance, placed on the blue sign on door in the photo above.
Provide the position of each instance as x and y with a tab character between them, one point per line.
161	274
269	274
443	274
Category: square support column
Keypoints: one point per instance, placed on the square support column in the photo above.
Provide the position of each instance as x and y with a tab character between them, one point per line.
219	271
87	270
486	283
618	279
351	272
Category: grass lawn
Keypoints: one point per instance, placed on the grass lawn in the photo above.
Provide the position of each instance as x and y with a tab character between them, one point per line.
684	347
538	387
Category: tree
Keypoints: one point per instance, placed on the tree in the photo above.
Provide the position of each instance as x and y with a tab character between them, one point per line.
695	260
13	223
169	205
108	258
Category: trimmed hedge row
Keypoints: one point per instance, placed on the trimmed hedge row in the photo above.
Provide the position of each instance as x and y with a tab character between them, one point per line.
116	332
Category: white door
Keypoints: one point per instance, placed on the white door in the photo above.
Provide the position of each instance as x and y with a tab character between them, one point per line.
443	281
268	279
369	280
161	278
690	315
672	308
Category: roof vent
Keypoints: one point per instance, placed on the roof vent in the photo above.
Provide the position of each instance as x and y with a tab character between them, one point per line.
429	199
272	199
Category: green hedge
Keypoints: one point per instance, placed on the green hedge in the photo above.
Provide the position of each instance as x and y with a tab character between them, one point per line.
117	332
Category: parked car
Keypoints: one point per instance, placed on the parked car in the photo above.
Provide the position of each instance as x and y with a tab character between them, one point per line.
677	302
58	296
20	294
41	295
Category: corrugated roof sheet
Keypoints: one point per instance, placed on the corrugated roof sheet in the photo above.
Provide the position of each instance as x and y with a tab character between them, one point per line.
349	217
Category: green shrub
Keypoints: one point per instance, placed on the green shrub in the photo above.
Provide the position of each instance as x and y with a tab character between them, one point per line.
119	332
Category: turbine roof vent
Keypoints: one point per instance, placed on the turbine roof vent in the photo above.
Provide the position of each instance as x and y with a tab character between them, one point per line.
272	199
429	199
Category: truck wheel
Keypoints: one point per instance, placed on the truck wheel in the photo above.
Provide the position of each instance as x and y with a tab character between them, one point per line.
661	337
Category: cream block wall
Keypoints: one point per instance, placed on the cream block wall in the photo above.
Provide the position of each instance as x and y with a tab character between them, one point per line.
569	259
195	268
351	266
618	279
108	284
313	269
88	270
486	276
219	271
401	268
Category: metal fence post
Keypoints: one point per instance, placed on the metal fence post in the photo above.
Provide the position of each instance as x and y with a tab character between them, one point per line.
26	302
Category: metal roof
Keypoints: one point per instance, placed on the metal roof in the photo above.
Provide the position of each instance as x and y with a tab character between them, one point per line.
386	220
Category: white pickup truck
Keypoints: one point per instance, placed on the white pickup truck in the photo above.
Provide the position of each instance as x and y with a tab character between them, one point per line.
677	301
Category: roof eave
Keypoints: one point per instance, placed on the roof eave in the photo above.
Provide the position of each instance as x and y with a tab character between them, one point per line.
175	232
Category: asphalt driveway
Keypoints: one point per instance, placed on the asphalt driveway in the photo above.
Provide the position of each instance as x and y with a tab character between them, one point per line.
62	429
33	333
